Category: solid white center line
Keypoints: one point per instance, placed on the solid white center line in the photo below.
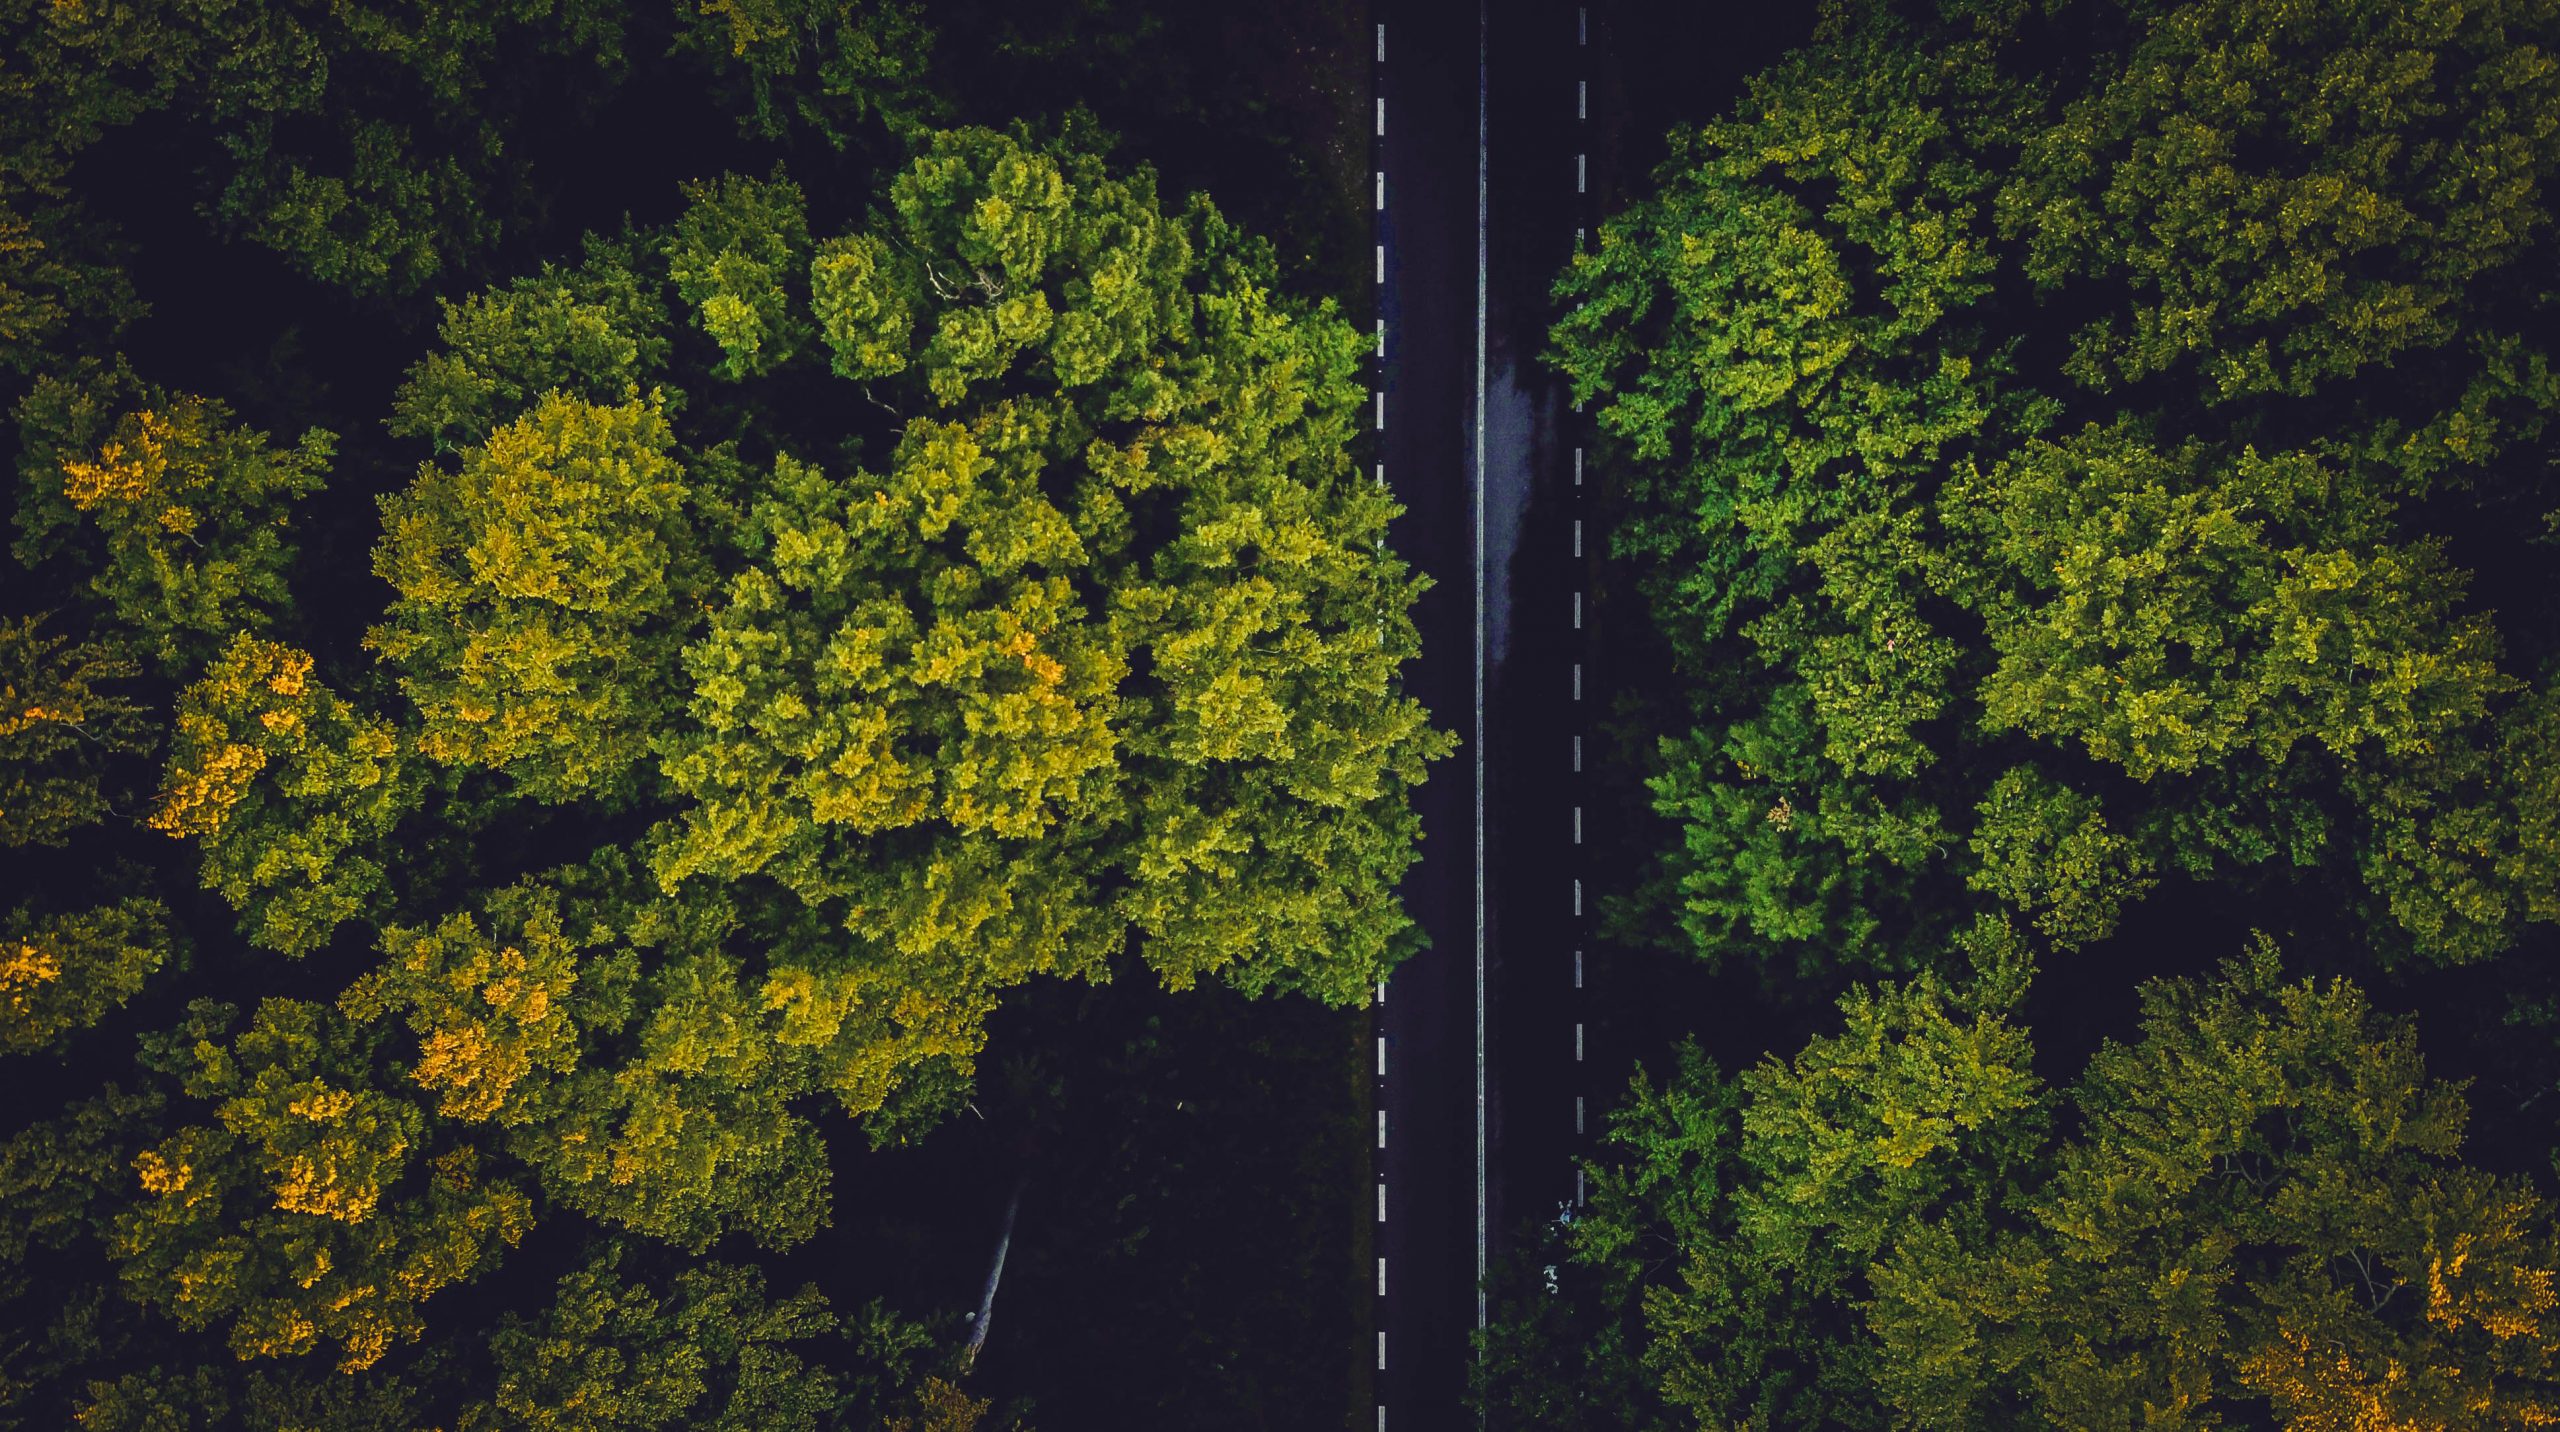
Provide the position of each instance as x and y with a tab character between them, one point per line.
1484	273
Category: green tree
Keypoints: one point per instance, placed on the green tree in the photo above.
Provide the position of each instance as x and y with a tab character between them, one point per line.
55	281
1995	411
287	790
1102	655
311	1208
2263	1204
367	144
632	1062
61	973
2259	1204
594	332
63	724
817	64
710	1351
536	587
178	518
739	258
60	1178
1768	1197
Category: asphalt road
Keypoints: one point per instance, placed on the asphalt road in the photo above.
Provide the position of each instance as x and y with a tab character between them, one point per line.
1481	132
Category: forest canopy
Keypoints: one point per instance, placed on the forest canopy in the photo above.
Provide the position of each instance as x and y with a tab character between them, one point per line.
502	839
2065	448
2084	470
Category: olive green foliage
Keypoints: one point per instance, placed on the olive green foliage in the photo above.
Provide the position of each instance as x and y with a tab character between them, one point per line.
2258	1204
64	719
711	1352
1061	642
813	614
363	142
52	280
378	148
2043	433
740	259
531	583
821	65
288	790
180	517
61	973
60	1179
182	1398
962	707
612	1036
2256	1186
596	331
308	1210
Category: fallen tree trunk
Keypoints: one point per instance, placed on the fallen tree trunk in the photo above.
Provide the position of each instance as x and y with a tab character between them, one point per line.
995	1271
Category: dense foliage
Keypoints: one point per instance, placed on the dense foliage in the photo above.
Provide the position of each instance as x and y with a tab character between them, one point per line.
2088	466
2055	439
2255	1209
465	940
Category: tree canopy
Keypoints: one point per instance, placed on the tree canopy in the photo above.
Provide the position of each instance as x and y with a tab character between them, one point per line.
2056	440
2085	467
799	617
2255	1208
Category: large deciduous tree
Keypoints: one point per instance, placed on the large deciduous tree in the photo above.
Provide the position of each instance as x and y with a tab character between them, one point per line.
1000	597
2257	1205
2054	439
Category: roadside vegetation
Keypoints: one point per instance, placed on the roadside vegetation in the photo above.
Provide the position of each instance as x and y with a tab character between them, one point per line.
609	612
2087	469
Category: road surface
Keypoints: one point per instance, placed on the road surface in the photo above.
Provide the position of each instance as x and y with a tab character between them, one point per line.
1505	130
1482	119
